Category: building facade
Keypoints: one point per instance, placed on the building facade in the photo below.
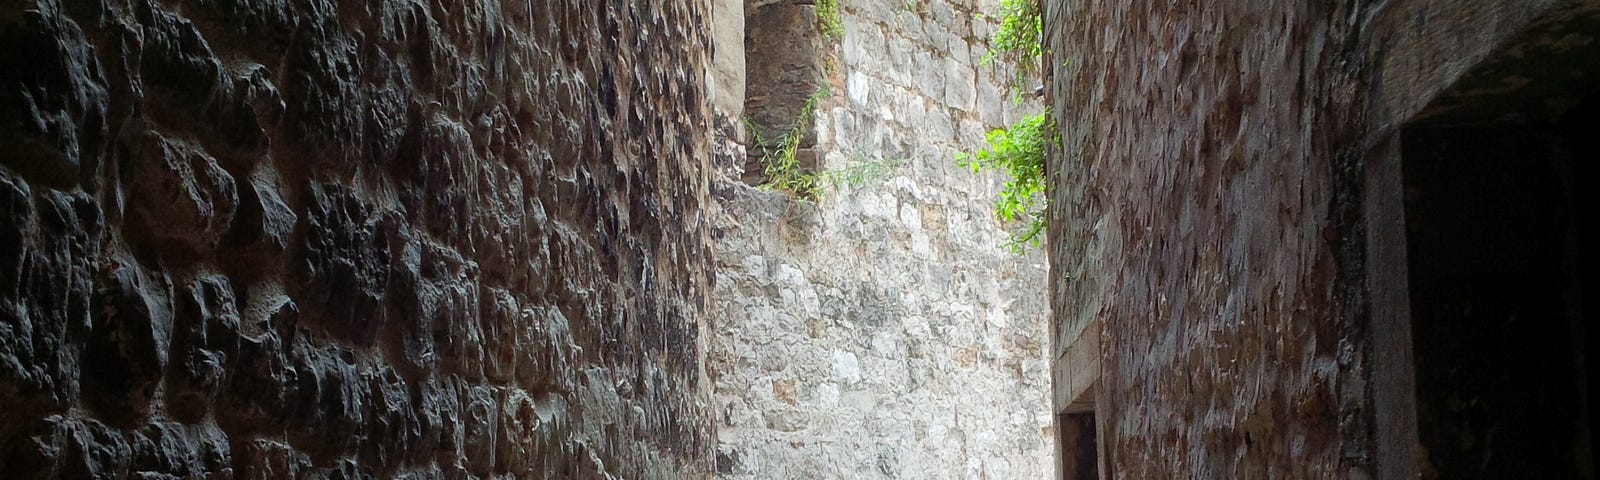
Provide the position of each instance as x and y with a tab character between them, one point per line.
1321	239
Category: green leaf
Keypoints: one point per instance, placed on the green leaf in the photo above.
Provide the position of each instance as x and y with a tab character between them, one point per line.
1019	152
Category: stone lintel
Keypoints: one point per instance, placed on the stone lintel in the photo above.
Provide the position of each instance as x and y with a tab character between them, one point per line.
1076	371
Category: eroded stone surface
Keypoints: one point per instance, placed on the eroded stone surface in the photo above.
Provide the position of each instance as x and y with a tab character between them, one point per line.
274	239
1202	208
1216	215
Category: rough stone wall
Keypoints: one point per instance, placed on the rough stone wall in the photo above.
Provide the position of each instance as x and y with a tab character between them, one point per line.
1219	213
274	239
1203	214
882	331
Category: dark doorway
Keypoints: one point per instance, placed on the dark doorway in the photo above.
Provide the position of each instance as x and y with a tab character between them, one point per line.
1495	236
1079	455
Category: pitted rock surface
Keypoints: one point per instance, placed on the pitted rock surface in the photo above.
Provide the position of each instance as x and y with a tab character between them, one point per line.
386	239
1214	218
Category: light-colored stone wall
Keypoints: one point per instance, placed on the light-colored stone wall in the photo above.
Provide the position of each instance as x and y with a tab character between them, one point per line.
882	331
727	57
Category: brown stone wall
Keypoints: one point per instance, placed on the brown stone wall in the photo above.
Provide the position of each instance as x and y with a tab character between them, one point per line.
1225	215
784	70
1198	211
267	239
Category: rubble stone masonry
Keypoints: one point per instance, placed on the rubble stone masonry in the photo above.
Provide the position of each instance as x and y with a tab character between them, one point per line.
354	239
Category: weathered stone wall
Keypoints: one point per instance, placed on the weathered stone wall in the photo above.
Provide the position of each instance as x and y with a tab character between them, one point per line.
881	331
1207	199
1200	222
1225	215
273	239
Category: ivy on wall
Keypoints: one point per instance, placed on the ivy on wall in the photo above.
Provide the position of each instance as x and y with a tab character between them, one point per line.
829	19
1019	150
1017	43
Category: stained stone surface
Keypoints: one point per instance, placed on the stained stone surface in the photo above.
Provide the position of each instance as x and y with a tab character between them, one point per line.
1219	216
382	239
881	331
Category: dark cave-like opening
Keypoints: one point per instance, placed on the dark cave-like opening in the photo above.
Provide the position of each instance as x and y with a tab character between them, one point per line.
1495	238
1080	454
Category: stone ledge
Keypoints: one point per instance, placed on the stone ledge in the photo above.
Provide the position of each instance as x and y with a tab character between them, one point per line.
1076	371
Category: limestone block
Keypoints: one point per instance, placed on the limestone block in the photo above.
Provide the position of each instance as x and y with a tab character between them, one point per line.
960	88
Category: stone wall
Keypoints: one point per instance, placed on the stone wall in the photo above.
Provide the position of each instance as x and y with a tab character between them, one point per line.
1226	225
273	239
1209	202
881	331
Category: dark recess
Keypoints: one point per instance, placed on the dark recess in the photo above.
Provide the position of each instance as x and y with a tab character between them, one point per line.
1495	235
1079	450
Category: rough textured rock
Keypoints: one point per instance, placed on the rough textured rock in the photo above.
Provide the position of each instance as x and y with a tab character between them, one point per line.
273	239
1226	224
881	331
1207	211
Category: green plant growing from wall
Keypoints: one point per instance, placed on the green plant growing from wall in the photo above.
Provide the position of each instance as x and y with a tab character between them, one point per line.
858	172
1017	42
1019	150
830	20
779	160
781	164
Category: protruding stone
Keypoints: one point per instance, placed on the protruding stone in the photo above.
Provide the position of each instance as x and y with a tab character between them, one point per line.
53	97
264	221
346	268
205	340
262	459
180	194
128	346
